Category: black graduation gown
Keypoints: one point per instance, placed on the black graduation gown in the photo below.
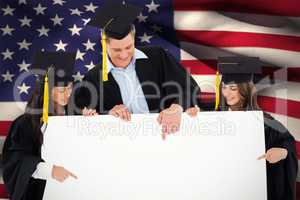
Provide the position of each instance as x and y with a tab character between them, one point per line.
21	154
281	176
160	67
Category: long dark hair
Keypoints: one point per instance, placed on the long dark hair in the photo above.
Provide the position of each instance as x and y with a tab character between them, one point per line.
248	99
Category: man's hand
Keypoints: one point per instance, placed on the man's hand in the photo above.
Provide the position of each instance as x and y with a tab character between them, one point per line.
89	112
192	111
170	119
274	155
120	111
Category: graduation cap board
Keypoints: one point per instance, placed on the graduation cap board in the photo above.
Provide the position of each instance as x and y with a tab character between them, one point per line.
115	20
238	69
61	66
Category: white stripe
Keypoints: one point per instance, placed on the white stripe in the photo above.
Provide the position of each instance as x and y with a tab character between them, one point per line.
283	90
11	110
241	22
206	82
292	124
269	56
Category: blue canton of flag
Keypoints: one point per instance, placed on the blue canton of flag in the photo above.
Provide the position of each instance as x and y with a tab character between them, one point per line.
61	25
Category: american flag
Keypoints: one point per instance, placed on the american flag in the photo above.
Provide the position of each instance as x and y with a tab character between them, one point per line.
196	32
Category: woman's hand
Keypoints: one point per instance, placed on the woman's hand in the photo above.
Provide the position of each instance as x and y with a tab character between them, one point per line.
192	111
120	111
61	174
89	112
274	155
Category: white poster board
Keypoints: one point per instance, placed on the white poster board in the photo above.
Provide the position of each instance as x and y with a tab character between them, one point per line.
212	157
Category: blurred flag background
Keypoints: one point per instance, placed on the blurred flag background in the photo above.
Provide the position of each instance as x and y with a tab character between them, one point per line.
196	32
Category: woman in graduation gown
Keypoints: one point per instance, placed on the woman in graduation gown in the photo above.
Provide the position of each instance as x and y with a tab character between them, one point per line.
24	171
238	93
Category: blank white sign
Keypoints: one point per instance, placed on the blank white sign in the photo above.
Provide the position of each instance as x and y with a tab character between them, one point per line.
212	157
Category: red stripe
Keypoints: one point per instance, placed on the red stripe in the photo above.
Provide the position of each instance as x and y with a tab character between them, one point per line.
269	104
280	106
208	67
3	193
298	150
277	7
4	127
298	191
240	39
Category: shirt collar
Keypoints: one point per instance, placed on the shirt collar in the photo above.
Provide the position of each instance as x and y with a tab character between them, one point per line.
138	54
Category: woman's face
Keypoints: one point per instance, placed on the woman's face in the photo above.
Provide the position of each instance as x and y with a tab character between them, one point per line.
61	95
231	94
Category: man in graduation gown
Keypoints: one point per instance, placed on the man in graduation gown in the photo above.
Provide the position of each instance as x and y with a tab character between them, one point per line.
139	80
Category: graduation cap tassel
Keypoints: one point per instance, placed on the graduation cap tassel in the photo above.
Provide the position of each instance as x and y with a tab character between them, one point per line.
218	81
104	61
46	101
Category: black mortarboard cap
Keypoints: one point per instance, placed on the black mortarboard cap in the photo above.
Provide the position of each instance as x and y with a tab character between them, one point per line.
58	64
115	18
238	69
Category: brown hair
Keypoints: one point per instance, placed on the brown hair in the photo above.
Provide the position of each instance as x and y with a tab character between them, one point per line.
248	94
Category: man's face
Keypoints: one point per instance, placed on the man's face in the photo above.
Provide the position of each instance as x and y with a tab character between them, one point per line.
121	51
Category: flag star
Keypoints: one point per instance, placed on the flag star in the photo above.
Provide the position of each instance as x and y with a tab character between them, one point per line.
7	54
7	76
145	38
8	11
57	20
75	12
142	18
24	66
22	2
90	7
43	31
60	2
86	21
25	21
78	77
79	55
90	66
89	45
60	46
152	7
156	28
75	30
24	45
23	88
7	30
39	9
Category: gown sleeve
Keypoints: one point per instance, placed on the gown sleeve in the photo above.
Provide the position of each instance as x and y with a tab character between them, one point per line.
172	71
20	157
281	176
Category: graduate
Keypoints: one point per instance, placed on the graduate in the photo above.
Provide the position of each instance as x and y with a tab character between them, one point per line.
238	93
133	79
24	171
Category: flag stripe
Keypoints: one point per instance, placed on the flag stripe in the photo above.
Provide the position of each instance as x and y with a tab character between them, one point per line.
232	22
276	57
280	106
4	127
279	7
11	110
283	90
240	39
208	67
